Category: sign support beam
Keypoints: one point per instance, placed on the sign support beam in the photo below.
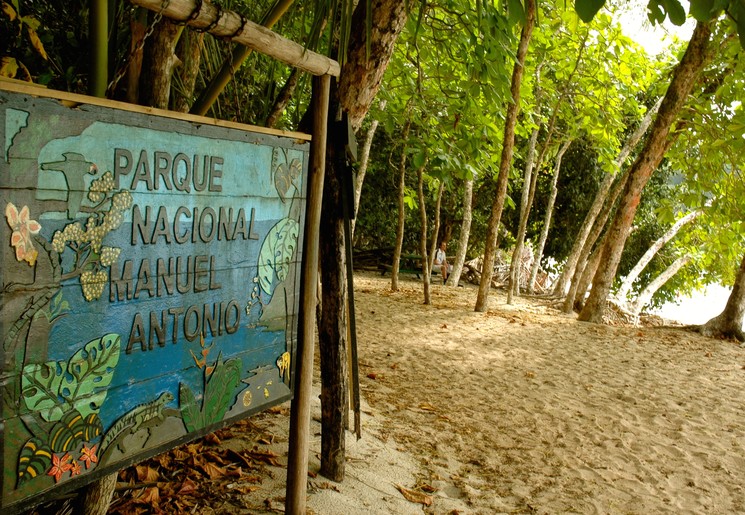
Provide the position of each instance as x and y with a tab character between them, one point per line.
297	462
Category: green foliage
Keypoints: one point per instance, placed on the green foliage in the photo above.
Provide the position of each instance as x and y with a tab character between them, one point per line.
219	387
57	387
587	9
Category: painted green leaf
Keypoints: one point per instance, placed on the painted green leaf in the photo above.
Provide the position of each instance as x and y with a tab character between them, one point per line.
34	459
55	387
220	388
89	369
587	9
276	253
190	412
40	386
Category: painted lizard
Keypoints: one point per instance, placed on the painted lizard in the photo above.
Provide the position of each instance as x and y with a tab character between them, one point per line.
140	417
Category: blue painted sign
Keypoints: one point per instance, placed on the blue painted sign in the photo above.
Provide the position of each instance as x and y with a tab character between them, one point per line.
149	285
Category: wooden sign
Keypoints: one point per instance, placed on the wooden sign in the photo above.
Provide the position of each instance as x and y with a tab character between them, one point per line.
149	289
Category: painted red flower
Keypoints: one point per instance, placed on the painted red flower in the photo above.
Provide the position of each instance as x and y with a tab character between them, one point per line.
23	228
75	468
59	466
88	456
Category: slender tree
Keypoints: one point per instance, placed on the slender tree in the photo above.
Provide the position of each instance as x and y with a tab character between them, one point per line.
547	219
508	143
648	292
625	288
684	78
465	232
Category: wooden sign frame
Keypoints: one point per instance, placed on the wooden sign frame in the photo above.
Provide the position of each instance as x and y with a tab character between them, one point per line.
150	266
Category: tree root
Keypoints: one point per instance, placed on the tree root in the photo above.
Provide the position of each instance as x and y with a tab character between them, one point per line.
714	328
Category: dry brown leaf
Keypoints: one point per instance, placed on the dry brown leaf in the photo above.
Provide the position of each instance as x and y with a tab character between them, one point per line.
146	474
212	439
237	455
164	460
212	470
327	486
246	489
414	496
428	488
213	456
267	457
180	455
149	496
187	487
194	448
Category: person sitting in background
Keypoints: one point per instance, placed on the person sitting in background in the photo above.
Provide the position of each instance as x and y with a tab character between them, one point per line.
441	262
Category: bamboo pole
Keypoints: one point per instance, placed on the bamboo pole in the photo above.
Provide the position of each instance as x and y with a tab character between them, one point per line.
297	461
231	25
219	81
99	46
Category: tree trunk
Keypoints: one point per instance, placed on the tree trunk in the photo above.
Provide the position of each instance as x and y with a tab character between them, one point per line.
580	282
582	279
465	232
423	235
332	325
96	497
158	63
728	324
560	289
401	205
651	252
137	29
508	144
362	170
525	202
547	220
684	78
358	84
189	50
362	74
436	228
283	98
645	296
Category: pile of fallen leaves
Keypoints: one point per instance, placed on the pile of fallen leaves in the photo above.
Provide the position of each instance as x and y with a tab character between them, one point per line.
211	473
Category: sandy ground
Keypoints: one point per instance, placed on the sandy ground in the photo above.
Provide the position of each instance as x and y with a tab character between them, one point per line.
524	410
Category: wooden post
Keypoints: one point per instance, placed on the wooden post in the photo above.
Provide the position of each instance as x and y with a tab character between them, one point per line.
99	46
297	462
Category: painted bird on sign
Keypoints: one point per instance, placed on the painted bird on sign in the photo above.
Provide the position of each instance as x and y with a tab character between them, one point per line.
75	168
